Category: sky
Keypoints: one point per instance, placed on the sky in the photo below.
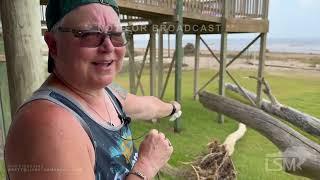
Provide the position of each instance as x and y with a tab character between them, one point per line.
294	18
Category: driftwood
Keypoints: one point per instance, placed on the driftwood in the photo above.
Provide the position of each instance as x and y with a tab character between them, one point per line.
302	154
299	119
286	67
232	138
216	164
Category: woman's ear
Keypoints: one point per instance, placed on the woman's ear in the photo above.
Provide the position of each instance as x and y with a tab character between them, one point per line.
51	43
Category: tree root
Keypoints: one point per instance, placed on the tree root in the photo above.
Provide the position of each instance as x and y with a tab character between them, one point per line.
215	165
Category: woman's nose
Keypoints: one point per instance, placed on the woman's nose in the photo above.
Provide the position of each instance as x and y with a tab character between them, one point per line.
106	45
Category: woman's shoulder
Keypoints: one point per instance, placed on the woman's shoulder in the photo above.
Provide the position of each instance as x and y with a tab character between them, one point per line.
40	114
41	124
120	92
45	133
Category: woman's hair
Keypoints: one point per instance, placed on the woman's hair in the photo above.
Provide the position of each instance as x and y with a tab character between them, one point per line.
50	59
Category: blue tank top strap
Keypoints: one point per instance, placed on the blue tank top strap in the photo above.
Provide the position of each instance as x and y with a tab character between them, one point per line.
117	104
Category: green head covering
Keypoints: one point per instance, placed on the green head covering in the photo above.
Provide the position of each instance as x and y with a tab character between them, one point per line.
57	9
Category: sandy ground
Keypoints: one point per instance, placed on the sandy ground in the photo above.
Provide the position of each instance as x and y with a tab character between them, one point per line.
275	62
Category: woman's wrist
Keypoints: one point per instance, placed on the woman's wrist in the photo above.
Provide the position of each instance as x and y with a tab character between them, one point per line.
143	168
174	109
137	175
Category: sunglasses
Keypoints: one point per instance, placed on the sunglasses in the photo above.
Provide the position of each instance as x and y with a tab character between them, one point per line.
95	38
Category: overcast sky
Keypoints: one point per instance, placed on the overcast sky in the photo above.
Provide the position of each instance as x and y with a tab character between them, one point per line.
294	18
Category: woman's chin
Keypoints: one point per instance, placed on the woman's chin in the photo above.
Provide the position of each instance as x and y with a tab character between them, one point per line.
103	82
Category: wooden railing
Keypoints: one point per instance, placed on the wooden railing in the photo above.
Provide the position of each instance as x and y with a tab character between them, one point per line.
249	8
204	7
236	8
127	18
123	17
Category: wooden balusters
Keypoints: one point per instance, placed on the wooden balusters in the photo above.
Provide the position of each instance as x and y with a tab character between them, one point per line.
237	8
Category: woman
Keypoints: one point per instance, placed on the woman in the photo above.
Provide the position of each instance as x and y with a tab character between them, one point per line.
76	125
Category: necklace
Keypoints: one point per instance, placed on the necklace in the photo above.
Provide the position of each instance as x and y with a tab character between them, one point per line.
74	90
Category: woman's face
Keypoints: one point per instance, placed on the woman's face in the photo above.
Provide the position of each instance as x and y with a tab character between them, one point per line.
88	67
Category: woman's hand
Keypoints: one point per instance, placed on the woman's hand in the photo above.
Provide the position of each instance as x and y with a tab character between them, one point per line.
154	152
176	105
176	111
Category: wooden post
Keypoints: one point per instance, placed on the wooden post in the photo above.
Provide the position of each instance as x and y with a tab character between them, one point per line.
2	120
222	71
223	54
132	69
169	45
152	62
265	9
22	33
5	114
262	57
196	68
160	63
0	23
179	53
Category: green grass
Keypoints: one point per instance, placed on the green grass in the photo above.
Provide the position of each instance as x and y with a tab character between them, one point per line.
2	172
199	125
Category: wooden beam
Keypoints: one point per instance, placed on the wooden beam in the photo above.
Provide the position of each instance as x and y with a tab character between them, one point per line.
247	25
168	75
160	62
22	48
223	54
262	58
189	16
2	121
132	69
196	68
172	28
141	69
169	49
133	20
222	68
152	63
5	114
179	59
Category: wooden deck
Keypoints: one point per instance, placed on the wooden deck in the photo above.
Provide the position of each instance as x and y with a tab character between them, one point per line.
242	15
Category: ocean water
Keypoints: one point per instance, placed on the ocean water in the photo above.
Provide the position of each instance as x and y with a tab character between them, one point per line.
293	45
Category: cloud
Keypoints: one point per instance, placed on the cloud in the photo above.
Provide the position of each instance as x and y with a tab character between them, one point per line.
308	3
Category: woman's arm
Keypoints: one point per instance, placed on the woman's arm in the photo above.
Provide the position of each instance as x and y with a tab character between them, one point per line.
148	107
143	107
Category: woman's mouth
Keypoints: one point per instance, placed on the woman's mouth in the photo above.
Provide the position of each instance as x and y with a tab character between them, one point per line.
103	63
